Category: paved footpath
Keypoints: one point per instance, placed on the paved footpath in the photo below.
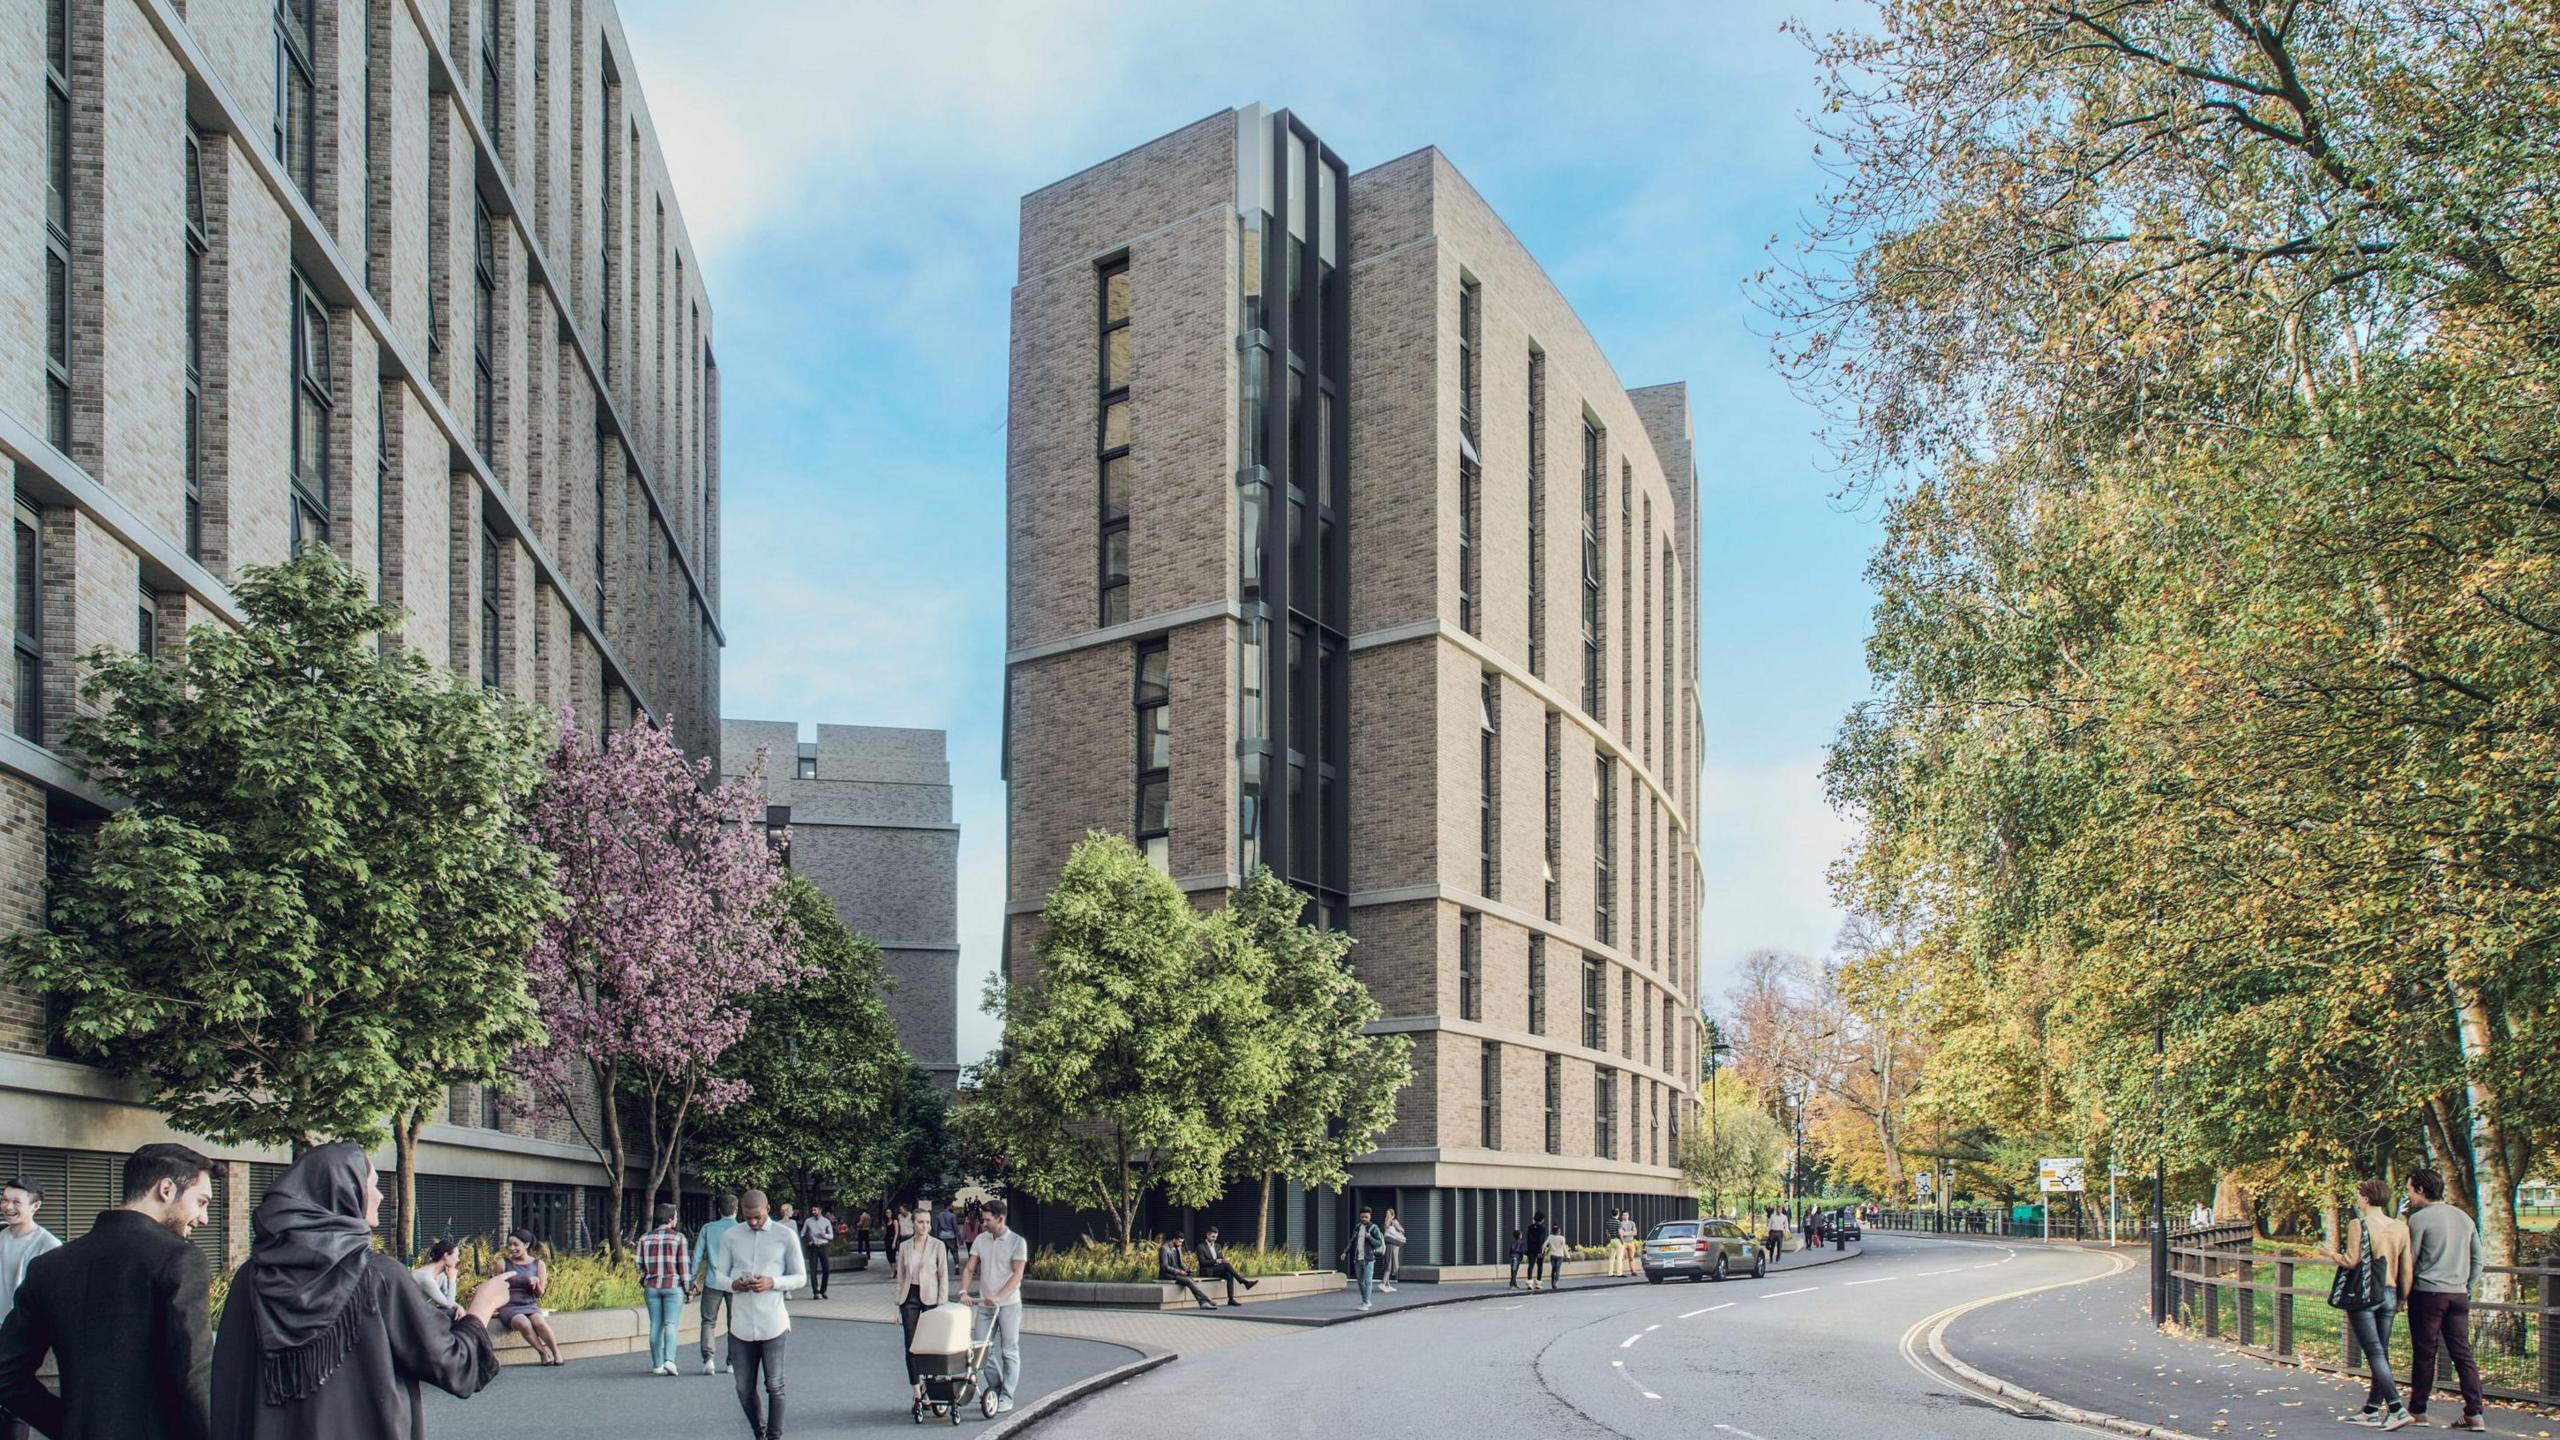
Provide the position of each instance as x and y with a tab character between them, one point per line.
2093	1346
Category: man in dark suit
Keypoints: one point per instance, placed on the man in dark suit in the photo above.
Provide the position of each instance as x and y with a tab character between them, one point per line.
1169	1266
1214	1266
123	1310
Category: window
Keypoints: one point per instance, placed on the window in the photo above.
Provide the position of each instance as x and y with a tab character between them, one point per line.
488	608
600	501
28	715
312	400
436	240
1114	439
608	232
57	225
382	487
1595	1004
1537	505
1653	1123
484	29
1470	965
1488	776
1489	1098
1604	1113
1592	447
1470	468
1668	1053
808	767
1155	753
484	329
199	245
1553	795
1627	1014
297	96
777	831
1537	983
1554	1093
146	625
1604	849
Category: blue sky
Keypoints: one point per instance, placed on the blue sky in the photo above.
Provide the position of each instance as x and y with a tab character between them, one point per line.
851	174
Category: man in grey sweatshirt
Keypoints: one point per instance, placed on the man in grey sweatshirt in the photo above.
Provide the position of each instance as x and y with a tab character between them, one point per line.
2444	1256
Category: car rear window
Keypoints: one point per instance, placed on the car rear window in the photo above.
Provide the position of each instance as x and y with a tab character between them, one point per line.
1676	1230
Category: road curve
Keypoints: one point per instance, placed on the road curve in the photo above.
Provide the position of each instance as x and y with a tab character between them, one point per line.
1831	1352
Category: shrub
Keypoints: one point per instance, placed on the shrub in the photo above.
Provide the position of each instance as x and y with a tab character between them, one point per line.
1093	1262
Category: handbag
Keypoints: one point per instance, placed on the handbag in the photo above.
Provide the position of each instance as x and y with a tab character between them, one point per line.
2358	1286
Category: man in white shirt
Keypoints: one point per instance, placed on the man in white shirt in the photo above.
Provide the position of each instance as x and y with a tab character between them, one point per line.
997	1260
21	1240
759	1263
817	1233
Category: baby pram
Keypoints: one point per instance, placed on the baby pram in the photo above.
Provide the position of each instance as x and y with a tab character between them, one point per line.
948	1361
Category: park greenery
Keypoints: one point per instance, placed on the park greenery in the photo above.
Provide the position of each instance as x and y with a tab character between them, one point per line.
1152	1048
2201	356
1093	1262
1736	1155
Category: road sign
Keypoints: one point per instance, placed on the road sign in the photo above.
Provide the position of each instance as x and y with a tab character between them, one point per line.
1927	1183
2060	1175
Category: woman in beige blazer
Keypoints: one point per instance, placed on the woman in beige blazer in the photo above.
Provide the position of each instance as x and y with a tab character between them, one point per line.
2375	1231
919	1276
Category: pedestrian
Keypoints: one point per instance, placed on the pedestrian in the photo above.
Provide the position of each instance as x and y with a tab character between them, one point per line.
1215	1266
862	1238
2376	1236
528	1278
440	1276
2444	1265
972	1220
1394	1229
918	1276
1776	1224
1533	1247
324	1336
1517	1252
21	1240
708	1287
663	1258
122	1310
1360	1255
1609	1232
817	1233
761	1262
998	1259
946	1226
1169	1266
1630	1262
1558	1252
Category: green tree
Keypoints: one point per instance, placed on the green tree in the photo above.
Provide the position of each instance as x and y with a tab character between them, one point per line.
1130	1052
925	1152
1336	1085
314	909
1735	1150
822	1061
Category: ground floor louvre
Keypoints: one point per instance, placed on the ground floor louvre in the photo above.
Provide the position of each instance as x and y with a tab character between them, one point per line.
1445	1225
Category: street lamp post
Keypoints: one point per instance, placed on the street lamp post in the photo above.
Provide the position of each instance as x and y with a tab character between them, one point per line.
2160	1178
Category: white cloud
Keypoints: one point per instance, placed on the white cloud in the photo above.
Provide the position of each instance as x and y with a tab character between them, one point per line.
1766	838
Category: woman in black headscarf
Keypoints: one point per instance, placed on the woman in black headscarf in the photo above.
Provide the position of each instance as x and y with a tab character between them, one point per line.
325	1338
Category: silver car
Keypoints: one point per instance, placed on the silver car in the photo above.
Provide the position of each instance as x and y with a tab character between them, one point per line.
1702	1249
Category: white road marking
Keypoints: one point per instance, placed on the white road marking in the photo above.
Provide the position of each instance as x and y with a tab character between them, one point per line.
1774	1294
1710	1310
1630	1341
1649	1329
1738	1430
1876	1281
1925	1274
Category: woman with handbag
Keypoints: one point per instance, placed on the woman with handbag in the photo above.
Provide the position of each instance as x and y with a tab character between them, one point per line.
2373	1275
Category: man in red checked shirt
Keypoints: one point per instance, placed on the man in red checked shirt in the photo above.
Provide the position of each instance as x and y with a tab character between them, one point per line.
663	1259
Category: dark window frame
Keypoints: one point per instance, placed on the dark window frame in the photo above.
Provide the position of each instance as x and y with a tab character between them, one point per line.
27	629
1537	505
1604	849
1595	1003
1470	965
1112	598
484	329
298	95
57	226
1488	791
1537	982
199	250
1555	1103
146	629
491	557
314	398
1594	465
1604	1112
1489	1097
1147	701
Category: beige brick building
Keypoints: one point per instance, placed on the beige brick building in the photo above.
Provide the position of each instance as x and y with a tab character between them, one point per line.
1335	544
404	278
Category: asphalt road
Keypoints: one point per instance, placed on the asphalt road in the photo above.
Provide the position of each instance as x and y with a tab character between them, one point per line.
1828	1353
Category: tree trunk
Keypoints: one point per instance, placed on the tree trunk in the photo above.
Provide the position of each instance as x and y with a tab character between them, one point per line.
404	1158
615	1155
1262	1224
2494	1186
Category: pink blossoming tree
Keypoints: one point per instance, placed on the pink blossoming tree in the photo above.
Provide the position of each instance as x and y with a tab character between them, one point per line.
672	917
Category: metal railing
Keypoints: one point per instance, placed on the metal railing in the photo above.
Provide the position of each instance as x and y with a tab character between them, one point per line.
2230	1293
2009	1225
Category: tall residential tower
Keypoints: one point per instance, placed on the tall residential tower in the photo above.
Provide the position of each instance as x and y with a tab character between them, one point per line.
1335	545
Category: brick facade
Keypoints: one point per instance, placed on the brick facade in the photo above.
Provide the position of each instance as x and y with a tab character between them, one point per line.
404	143
1417	680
